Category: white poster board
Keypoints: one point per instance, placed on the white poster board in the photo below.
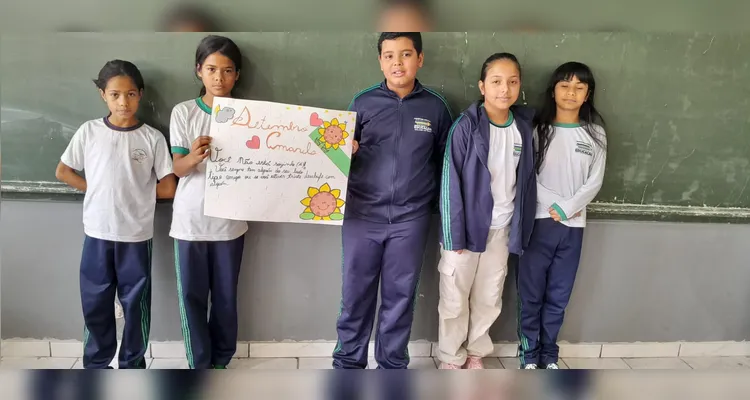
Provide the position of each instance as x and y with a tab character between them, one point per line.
278	162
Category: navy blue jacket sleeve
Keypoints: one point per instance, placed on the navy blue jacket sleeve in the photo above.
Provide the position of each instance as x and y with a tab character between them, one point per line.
441	136
524	213
452	215
444	126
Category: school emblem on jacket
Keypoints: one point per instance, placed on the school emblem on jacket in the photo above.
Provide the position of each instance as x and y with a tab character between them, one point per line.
422	125
584	148
138	155
517	149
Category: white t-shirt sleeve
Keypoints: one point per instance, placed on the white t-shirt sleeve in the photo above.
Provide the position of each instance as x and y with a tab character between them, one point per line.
178	132
74	154
162	160
586	193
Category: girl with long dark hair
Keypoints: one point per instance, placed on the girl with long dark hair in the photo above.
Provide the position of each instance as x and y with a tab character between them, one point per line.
570	161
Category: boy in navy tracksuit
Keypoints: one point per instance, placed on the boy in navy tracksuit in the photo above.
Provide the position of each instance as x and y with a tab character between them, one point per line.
392	192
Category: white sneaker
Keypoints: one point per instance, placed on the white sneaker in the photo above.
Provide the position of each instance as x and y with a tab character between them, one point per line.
530	366
552	366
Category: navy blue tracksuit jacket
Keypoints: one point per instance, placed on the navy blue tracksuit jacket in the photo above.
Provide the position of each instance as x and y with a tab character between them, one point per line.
392	193
466	197
401	144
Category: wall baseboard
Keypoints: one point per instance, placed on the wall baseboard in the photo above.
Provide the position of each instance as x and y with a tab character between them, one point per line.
324	349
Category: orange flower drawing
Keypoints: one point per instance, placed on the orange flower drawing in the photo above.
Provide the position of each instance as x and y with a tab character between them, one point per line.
322	204
333	134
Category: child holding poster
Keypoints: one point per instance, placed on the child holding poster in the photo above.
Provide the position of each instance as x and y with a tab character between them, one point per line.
127	166
401	128
208	251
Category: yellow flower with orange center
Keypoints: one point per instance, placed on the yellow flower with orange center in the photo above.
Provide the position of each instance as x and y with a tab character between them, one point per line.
333	134
322	204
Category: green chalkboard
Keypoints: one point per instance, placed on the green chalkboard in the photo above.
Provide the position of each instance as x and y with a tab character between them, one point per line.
677	106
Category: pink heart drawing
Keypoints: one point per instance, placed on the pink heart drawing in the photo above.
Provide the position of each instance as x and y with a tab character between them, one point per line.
315	120
254	143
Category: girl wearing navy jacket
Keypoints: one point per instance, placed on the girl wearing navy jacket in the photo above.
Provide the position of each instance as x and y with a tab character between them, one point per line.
570	162
487	205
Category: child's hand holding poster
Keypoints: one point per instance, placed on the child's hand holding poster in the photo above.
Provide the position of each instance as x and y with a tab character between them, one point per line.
278	162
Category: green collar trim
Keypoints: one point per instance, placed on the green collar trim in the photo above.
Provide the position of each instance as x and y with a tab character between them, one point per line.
507	123
562	125
202	105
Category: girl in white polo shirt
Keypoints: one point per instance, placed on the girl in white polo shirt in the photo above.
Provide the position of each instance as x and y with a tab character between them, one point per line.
208	251
127	167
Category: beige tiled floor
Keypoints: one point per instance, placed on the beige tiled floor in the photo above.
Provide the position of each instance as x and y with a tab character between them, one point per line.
316	363
657	363
169	363
420	363
265	363
596	363
492	363
37	363
714	363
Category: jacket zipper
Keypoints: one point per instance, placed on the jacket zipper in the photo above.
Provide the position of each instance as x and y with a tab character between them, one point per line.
395	162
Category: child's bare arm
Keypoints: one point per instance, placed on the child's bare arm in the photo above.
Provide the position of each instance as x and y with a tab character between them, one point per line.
166	187
69	176
199	150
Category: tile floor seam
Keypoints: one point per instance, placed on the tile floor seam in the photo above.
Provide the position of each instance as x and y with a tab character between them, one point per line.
686	363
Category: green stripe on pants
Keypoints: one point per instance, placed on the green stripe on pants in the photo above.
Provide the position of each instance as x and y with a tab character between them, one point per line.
183	314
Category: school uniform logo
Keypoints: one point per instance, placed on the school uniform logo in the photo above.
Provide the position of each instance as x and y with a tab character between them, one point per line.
138	155
517	149
584	148
422	125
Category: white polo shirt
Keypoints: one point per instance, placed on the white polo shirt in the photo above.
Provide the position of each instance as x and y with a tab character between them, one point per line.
121	166
191	119
504	155
572	173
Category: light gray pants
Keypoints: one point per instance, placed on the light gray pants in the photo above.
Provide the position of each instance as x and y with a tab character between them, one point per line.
471	290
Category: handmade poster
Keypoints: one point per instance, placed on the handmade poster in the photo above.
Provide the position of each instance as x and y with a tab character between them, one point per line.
278	162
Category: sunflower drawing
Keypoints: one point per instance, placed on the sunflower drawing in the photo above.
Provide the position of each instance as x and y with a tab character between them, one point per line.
333	134
322	204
